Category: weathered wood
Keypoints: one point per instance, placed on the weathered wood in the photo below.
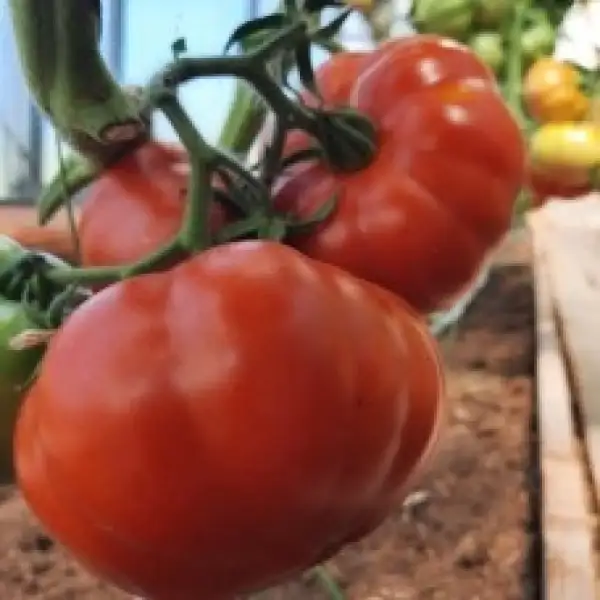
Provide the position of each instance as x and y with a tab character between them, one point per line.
572	250
568	565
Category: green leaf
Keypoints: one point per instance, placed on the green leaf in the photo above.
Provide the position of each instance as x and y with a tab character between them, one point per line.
179	47
261	24
255	40
313	6
319	216
332	28
306	72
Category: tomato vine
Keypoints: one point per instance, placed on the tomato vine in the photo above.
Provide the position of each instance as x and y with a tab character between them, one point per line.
346	139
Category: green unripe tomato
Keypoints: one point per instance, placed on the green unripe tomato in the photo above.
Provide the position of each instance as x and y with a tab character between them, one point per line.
491	14
537	40
489	46
449	18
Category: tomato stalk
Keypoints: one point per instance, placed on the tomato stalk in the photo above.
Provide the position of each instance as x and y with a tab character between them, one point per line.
58	47
347	138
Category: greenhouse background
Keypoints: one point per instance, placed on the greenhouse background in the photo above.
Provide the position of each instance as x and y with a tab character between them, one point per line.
137	37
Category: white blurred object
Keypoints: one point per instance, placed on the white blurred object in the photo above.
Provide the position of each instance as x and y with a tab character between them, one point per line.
578	38
401	25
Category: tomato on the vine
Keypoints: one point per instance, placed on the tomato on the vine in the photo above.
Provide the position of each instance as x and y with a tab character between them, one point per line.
135	206
439	194
214	429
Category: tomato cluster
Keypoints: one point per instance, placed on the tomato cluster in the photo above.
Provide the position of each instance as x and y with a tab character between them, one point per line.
212	429
419	220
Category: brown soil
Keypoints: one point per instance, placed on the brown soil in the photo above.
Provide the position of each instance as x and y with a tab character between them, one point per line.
468	532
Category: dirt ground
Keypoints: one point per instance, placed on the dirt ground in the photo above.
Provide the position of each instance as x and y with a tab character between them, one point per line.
467	533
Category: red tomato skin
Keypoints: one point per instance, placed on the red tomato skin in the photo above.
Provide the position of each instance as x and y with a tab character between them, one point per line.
438	196
213	430
544	185
136	206
335	79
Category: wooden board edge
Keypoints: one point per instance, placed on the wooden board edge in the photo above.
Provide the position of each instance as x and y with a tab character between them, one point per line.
569	283
568	527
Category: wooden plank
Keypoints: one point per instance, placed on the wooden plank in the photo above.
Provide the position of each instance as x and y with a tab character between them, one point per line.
572	254
568	562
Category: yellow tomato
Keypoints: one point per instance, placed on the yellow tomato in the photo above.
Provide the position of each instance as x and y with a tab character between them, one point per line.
569	152
552	92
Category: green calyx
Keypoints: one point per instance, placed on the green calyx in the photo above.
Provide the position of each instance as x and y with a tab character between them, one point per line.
24	280
347	139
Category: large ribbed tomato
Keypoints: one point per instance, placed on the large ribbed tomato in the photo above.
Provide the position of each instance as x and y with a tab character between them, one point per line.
212	430
135	206
439	195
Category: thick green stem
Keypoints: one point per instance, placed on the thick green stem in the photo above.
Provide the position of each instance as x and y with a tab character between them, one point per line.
195	234
58	47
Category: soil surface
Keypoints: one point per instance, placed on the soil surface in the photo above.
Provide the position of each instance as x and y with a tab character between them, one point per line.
468	532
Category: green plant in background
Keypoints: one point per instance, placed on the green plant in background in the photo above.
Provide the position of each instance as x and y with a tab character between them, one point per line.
539	36
492	13
452	18
489	46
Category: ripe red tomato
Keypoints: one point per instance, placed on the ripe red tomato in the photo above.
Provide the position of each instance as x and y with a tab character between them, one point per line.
544	185
439	195
212	430
336	78
136	206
